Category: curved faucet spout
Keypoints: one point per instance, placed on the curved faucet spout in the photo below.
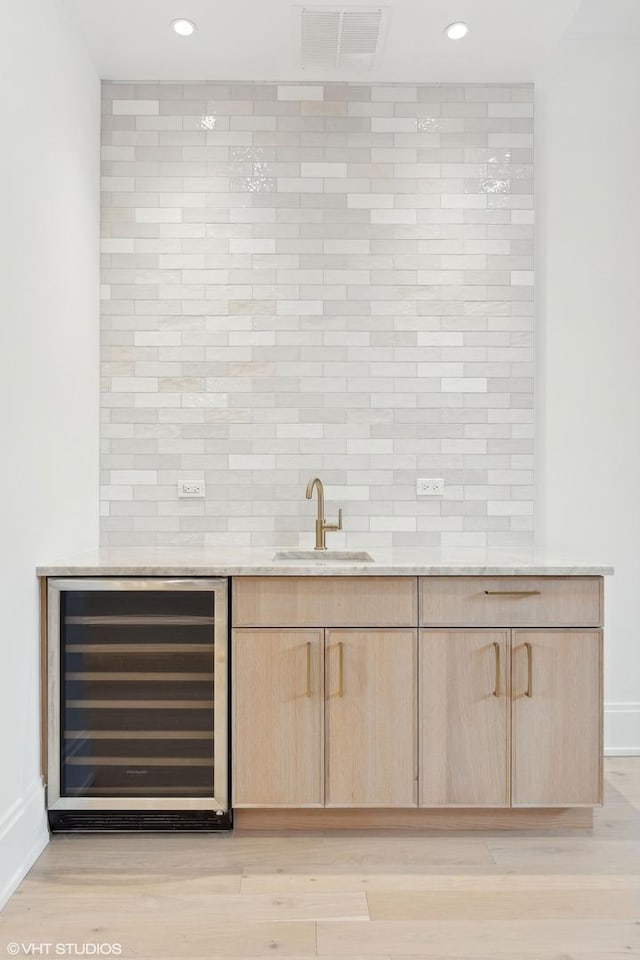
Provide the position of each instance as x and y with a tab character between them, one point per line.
316	482
321	525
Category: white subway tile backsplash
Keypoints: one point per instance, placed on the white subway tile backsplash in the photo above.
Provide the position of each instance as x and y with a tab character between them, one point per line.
511	109
522	278
135	108
317	279
394	125
294	93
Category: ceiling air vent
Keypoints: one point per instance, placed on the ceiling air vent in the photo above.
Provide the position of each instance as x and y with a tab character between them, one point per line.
340	36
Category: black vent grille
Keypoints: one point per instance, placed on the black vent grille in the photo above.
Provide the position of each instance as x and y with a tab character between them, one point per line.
99	821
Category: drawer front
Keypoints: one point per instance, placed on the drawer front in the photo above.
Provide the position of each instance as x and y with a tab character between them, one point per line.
325	601
511	601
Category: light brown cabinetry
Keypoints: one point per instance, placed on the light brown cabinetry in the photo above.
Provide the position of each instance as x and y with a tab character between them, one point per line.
549	706
511	601
325	601
356	703
431	692
371	757
557	718
464	718
278	687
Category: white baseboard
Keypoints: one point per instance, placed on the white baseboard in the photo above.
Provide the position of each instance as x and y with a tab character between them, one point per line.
622	729
23	837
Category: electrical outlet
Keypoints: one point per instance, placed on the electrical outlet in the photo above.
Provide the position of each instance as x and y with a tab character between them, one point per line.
191	488
429	486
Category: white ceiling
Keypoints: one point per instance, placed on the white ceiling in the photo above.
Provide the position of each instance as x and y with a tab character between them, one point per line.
256	40
607	17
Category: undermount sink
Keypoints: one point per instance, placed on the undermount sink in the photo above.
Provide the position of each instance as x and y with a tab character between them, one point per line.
326	556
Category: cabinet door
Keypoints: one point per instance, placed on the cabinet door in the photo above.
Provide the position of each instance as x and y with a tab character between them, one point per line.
464	718
278	693
557	718
371	688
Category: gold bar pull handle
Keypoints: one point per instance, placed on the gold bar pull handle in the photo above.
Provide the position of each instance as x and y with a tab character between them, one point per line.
341	669
496	685
529	649
512	593
308	691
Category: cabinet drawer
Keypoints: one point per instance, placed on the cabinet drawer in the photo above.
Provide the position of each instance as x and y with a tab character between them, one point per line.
324	601
511	601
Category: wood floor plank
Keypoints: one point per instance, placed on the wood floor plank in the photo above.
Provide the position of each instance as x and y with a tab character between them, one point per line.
467	904
619	826
99	885
476	938
158	853
628	787
567	854
498	882
613	795
550	954
169	937
192	907
357	852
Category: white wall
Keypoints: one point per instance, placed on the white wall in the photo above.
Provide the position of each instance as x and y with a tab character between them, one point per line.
588	262
49	164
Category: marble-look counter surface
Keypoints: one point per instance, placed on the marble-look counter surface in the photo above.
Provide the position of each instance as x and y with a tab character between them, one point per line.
230	562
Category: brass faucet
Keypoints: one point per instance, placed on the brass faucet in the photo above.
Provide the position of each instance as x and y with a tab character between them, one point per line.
321	526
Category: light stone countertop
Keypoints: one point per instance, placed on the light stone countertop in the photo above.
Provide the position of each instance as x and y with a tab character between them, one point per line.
234	562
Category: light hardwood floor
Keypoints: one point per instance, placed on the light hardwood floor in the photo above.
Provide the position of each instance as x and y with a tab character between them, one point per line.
573	895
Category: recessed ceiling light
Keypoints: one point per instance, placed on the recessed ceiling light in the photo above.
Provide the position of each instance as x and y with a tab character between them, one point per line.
183	27
456	31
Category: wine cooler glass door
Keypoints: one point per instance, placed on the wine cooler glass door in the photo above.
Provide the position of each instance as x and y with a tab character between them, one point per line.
141	702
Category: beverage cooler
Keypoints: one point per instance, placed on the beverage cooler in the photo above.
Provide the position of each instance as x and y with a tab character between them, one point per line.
138	704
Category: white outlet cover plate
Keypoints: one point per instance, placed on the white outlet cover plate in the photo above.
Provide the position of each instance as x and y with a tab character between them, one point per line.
430	486
191	488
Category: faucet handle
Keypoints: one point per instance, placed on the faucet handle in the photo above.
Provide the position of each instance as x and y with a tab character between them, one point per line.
332	527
